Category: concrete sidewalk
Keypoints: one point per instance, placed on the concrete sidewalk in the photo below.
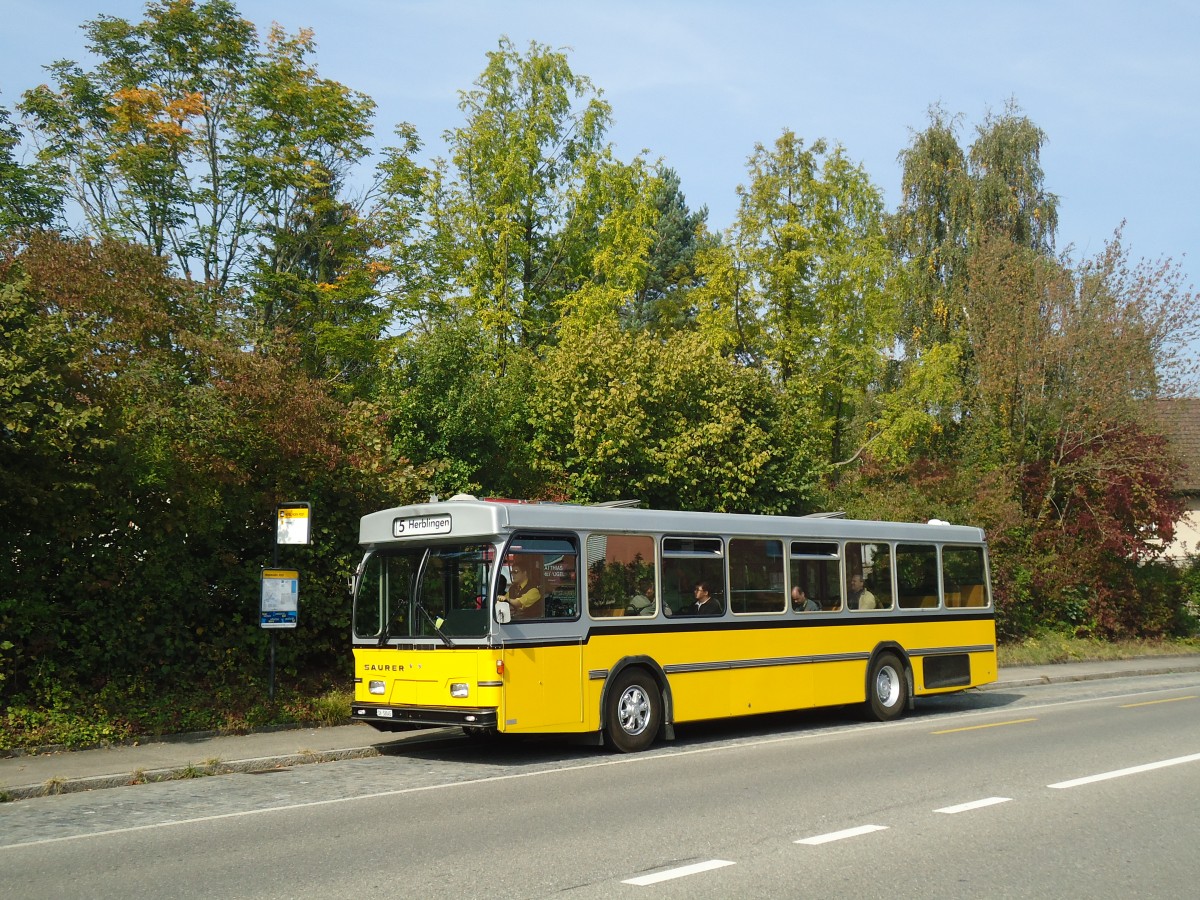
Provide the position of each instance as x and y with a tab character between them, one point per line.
37	775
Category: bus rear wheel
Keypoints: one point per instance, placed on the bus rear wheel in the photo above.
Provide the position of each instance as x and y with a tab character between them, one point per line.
633	711
887	688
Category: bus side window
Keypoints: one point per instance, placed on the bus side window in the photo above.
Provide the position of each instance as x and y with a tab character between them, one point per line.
964	576
686	562
816	581
917	576
756	576
621	575
542	575
868	576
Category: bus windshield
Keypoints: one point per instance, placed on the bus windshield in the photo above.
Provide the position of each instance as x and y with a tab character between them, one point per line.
424	592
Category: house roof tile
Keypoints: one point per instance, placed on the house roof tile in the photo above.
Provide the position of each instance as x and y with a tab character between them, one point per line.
1180	420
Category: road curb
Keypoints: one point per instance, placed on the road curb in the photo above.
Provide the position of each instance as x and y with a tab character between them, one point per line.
1067	677
55	786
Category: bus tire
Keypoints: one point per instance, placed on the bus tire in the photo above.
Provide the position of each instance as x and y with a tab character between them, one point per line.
887	688
633	711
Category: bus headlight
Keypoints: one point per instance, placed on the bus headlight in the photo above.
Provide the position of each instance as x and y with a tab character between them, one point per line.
459	689
376	687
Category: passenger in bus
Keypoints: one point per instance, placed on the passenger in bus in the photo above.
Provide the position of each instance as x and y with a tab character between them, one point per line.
642	603
705	604
524	594
801	602
859	597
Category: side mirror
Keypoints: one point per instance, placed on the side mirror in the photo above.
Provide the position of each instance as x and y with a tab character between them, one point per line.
503	612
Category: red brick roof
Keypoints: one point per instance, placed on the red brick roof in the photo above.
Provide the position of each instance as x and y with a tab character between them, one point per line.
1180	420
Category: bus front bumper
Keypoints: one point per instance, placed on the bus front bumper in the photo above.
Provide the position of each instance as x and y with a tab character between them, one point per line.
477	717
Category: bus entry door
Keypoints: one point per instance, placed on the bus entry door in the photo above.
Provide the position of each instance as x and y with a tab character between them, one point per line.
543	687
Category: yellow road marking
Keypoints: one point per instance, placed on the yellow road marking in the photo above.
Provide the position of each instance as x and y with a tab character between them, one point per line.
992	725
1153	702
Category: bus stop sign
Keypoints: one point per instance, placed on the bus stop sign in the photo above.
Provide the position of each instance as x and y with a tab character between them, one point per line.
280	598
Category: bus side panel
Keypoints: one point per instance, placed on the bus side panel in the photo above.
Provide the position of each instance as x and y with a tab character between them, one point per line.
963	666
697	664
700	695
839	683
543	689
774	677
716	674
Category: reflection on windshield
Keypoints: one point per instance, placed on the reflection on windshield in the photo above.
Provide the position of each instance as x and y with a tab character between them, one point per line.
450	582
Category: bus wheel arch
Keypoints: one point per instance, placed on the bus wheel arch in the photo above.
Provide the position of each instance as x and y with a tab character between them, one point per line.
889	686
634	706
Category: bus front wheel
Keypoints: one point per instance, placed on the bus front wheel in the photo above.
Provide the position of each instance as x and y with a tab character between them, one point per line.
887	688
633	711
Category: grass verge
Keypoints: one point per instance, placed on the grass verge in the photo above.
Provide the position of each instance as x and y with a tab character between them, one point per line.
72	721
1054	647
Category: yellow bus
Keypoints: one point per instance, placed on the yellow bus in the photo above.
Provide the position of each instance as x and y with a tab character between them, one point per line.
620	623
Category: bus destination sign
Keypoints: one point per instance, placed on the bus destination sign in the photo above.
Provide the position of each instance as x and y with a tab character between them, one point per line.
418	526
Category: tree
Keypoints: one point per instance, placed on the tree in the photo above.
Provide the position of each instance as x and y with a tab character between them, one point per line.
1009	195
952	201
1066	362
954	204
144	451
802	287
29	198
929	232
522	202
454	413
190	137
661	303
316	284
534	230
96	346
674	423
1065	359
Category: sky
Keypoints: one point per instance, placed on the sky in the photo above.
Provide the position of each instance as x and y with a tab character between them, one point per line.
698	83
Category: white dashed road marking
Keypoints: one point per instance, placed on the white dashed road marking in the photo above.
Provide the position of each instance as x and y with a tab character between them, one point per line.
682	871
974	804
841	835
1132	770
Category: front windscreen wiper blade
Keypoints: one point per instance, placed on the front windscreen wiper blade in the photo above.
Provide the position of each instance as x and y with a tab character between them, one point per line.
436	623
387	631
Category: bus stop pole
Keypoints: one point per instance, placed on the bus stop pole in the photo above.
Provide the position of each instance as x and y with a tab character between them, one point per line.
271	652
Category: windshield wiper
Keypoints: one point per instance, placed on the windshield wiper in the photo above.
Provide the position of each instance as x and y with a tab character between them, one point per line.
387	629
434	623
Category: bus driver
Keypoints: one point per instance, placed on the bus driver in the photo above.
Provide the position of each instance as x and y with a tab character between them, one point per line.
523	592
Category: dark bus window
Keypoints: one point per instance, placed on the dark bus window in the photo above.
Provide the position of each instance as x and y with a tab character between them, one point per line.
964	576
756	576
693	546
814	548
816	585
917	576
